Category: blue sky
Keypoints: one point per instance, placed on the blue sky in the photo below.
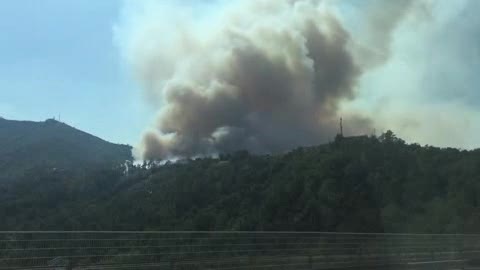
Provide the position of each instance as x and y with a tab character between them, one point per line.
58	57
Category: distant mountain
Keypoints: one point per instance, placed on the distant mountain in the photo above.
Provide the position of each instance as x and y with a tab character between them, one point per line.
26	145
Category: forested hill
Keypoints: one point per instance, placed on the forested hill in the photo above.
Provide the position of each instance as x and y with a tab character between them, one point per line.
361	184
26	145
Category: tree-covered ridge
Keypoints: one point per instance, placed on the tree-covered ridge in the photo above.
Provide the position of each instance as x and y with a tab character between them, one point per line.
360	184
25	145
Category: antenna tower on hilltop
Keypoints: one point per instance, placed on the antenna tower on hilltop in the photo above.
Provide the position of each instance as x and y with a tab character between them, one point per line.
341	126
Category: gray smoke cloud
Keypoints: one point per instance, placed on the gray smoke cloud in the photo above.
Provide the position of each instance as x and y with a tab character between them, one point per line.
426	91
265	76
382	18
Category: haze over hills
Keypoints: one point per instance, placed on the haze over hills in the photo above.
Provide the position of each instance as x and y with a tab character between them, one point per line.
26	145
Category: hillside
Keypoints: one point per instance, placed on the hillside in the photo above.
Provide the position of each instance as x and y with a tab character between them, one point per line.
26	145
361	184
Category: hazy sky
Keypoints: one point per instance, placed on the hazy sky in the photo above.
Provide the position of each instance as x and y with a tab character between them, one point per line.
59	57
71	58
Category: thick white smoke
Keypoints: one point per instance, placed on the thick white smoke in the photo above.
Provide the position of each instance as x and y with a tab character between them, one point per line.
261	75
427	90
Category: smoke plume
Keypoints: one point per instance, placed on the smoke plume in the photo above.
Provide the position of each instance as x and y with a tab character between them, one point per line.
265	76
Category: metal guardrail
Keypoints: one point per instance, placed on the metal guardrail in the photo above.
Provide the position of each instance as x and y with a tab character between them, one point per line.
233	250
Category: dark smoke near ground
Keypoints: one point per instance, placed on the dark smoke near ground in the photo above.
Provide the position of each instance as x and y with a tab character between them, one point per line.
268	77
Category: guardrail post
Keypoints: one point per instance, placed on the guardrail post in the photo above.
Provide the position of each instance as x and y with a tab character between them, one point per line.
70	264
462	252
360	253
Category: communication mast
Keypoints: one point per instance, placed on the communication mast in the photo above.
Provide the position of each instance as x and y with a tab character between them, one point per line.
341	126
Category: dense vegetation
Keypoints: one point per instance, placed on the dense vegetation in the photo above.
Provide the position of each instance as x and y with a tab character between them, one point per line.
25	145
365	184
